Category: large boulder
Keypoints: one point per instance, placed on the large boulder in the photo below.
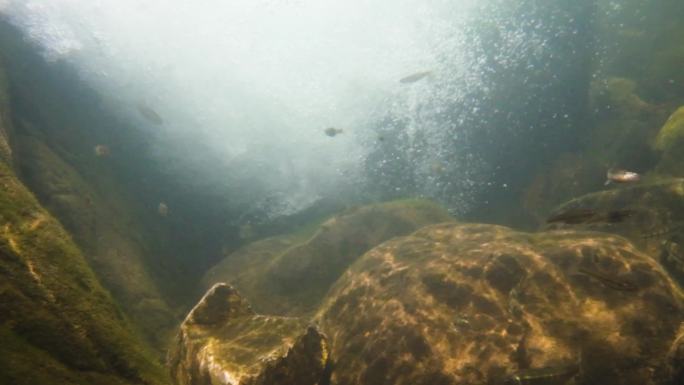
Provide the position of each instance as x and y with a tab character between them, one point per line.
482	304
468	304
289	275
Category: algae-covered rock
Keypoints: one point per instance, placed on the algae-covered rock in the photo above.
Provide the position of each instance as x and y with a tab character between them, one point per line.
482	304
57	324
672	131
290	274
94	214
619	96
670	142
651	215
224	342
461	304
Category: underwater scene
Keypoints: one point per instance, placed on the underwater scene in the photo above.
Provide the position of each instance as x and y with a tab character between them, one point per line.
329	192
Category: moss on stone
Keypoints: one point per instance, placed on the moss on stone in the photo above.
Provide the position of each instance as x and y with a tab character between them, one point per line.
290	274
51	304
671	132
223	340
477	304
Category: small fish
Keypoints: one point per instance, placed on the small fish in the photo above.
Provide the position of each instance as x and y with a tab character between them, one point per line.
415	77
150	114
584	215
163	209
553	375
614	283
332	131
102	151
621	176
572	216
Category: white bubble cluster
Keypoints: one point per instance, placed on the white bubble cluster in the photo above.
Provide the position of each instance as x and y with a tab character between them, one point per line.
257	81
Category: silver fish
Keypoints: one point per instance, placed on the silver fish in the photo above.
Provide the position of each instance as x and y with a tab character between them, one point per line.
415	77
621	176
150	114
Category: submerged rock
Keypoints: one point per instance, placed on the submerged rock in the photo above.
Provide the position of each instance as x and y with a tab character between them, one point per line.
291	274
222	341
471	304
653	218
672	131
467	304
670	142
618	95
58	325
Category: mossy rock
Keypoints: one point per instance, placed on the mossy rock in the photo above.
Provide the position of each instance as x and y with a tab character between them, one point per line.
223	341
619	96
457	304
672	132
289	275
94	214
59	326
650	214
670	142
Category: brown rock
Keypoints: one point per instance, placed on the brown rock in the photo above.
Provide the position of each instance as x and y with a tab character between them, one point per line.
289	275
222	341
651	215
465	304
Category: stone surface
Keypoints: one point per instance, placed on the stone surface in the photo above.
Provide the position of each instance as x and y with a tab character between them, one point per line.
483	304
57	323
672	131
289	275
478	304
670	143
651	215
222	341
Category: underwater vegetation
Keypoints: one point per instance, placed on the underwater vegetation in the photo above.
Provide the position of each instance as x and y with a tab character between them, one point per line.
457	229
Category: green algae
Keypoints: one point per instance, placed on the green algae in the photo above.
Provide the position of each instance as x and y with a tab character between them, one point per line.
290	274
53	305
671	132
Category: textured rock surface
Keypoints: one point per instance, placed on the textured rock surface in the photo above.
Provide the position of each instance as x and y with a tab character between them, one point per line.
651	215
222	341
291	274
671	132
57	324
670	142
471	304
481	304
52	129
